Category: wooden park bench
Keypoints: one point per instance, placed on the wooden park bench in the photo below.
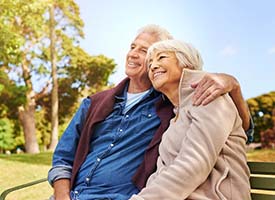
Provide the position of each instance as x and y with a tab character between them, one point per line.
6	192
262	181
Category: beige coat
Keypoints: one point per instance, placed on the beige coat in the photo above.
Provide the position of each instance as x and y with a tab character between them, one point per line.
202	153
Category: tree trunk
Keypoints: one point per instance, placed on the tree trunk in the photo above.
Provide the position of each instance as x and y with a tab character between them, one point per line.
54	94
27	119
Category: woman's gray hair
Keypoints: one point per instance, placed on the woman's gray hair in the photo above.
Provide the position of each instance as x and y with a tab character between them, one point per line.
187	55
156	30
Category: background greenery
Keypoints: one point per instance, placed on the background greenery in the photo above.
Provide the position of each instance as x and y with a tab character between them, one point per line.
26	75
42	65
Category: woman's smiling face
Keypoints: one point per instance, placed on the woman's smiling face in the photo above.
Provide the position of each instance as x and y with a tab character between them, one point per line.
164	71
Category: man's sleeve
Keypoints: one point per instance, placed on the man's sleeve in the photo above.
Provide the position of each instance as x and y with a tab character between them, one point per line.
250	131
64	154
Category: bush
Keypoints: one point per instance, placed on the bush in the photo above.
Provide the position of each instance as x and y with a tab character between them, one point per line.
6	135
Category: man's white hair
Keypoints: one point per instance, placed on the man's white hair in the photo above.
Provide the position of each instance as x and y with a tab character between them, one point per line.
156	30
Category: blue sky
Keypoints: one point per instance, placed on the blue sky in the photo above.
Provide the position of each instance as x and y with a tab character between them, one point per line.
233	36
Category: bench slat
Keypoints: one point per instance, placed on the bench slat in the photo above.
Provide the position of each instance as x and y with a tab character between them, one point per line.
262	167
264	183
262	196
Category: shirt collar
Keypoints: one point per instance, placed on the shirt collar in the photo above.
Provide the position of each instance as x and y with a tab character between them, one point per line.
152	92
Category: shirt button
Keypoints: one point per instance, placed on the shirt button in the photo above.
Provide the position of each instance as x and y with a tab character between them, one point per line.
149	115
127	116
76	192
87	179
120	130
98	159
112	145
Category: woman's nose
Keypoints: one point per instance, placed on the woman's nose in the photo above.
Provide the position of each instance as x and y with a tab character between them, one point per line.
154	66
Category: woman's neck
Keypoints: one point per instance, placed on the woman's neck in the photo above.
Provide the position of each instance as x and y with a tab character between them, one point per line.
173	96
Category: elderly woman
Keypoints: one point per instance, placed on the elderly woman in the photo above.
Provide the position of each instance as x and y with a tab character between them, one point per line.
202	153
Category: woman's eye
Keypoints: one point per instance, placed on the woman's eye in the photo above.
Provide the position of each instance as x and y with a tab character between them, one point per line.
161	57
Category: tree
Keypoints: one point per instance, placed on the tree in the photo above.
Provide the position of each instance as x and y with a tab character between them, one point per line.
54	96
261	109
8	94
33	58
24	21
64	22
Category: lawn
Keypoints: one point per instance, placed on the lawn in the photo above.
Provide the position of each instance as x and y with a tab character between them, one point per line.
21	168
266	155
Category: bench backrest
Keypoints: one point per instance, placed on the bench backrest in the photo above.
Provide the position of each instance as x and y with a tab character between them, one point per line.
262	180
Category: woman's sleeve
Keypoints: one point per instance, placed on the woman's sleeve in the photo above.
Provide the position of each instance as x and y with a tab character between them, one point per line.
209	129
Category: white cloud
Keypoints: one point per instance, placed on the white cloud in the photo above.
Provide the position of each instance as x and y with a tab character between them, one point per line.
271	50
229	50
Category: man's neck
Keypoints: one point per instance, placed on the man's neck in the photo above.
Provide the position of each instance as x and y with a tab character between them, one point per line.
138	86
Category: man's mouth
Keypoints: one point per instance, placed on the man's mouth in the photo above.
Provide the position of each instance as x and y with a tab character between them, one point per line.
133	64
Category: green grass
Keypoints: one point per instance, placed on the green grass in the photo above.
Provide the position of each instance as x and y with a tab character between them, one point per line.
265	155
22	168
18	169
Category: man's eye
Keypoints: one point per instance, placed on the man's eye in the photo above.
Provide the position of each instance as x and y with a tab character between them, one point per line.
144	50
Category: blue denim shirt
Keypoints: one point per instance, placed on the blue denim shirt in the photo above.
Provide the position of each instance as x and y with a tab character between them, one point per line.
117	148
250	131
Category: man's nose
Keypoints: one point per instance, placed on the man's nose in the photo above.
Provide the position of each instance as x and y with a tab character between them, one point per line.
133	53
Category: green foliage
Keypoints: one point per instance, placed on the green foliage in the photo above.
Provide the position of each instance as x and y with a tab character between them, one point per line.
43	128
1	87
9	45
25	53
11	96
6	135
20	22
261	109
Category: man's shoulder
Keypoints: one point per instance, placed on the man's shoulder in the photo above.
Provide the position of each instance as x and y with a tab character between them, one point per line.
112	91
101	93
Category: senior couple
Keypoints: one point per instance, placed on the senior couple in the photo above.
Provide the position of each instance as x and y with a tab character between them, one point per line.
183	139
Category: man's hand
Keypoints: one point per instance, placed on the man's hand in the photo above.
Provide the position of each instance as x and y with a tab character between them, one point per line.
62	189
212	86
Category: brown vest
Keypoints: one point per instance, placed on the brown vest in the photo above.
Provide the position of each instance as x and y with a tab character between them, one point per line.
101	106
